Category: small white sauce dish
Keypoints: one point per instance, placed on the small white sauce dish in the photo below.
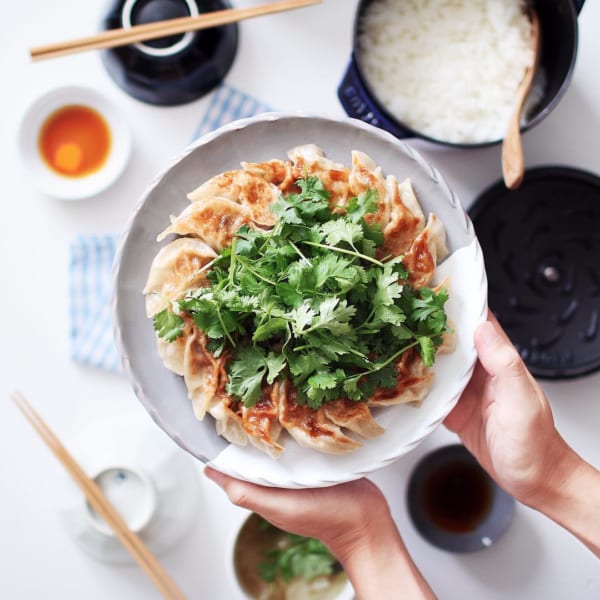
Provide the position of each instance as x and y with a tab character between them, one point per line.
65	187
152	483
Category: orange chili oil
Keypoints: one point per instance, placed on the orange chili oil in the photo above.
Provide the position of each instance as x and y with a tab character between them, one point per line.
75	141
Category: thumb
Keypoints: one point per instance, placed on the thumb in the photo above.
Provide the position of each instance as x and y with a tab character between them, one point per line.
500	358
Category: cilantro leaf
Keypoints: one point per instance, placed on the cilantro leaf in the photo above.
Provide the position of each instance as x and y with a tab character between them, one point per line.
386	377
268	570
365	203
427	350
313	189
168	325
304	208
269	329
301	317
311	299
289	294
322	387
387	287
285	211
334	315
340	230
247	370
296	556
302	365
391	314
323	380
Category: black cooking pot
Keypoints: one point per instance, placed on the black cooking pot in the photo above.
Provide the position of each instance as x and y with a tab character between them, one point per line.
558	26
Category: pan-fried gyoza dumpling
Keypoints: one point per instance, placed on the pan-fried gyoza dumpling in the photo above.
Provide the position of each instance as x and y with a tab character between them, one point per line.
261	422
201	373
414	382
448	341
354	416
173	353
310	160
366	175
409	200
215	221
425	252
242	187
405	220
228	420
176	268
311	428
275	171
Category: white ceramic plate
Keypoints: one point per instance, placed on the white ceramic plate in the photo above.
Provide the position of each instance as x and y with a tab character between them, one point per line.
73	188
164	394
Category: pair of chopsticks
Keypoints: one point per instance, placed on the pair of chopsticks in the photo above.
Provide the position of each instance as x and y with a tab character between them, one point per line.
101	505
150	31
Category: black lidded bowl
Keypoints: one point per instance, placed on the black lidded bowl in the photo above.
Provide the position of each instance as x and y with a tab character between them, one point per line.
175	69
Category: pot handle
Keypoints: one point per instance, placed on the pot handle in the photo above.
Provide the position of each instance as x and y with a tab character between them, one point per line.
358	104
578	5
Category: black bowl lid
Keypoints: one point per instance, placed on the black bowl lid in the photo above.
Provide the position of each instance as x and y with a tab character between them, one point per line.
541	245
454	504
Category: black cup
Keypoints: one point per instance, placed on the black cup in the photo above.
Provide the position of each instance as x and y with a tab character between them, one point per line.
454	504
172	70
559	35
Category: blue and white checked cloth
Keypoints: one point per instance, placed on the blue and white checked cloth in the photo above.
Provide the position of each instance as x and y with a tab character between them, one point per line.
91	256
92	343
228	104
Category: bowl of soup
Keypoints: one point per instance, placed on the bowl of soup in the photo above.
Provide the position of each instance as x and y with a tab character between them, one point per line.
74	142
272	564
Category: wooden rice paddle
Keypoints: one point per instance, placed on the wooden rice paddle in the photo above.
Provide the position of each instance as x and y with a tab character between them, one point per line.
513	166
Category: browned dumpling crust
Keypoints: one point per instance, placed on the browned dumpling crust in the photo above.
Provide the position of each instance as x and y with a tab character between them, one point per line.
219	207
275	171
178	267
413	383
214	221
261	421
311	427
245	188
310	160
428	248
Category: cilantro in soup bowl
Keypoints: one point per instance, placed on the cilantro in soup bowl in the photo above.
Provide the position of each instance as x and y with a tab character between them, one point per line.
272	564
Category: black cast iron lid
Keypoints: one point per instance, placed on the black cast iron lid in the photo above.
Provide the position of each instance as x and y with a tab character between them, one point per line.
541	245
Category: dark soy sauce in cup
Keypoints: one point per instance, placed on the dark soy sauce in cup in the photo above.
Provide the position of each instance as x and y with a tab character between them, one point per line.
457	496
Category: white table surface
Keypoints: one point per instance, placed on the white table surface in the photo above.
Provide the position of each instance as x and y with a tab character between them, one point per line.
292	61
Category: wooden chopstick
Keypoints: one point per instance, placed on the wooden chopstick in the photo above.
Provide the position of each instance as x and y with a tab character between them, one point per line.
101	505
149	31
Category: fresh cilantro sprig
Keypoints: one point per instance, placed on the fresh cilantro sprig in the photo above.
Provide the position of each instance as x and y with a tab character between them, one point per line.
247	373
168	325
312	300
299	557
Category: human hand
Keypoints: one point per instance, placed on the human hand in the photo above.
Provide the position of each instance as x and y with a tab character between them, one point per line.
340	516
504	419
353	519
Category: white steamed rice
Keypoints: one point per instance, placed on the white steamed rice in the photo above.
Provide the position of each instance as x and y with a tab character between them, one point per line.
447	68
